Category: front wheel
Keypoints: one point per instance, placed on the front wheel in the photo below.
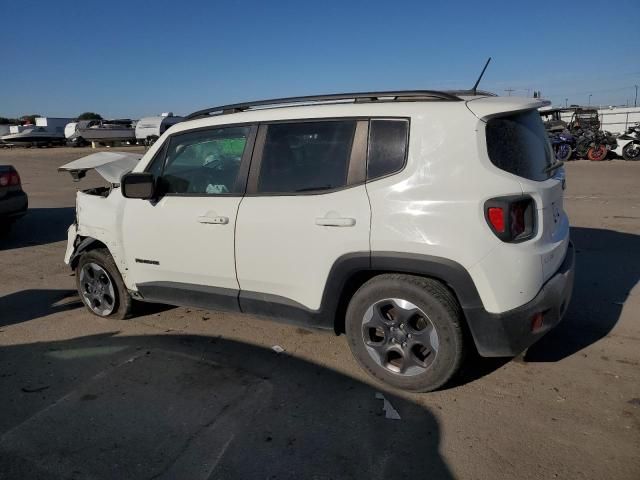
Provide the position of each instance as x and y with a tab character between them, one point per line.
406	331
563	152
597	153
100	285
631	151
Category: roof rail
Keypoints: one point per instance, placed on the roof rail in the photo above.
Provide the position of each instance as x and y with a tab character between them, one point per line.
406	95
471	93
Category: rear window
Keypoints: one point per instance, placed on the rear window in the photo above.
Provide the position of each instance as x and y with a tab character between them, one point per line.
518	144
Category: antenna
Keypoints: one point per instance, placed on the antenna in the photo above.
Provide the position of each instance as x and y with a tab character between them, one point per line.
475	86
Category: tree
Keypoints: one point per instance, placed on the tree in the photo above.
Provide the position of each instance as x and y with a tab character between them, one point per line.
89	116
8	121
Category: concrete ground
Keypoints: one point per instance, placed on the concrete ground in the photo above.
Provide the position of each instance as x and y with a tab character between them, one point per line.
186	393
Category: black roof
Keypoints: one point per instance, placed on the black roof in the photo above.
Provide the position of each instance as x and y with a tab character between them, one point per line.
360	97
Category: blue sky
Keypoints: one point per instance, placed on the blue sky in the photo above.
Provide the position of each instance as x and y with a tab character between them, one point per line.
137	58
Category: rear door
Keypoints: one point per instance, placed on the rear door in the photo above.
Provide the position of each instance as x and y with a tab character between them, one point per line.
306	207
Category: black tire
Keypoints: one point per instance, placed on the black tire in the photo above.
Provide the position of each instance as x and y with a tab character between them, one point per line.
5	227
442	311
122	301
631	151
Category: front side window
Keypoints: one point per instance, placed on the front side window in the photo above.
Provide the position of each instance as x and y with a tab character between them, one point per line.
303	157
205	162
518	144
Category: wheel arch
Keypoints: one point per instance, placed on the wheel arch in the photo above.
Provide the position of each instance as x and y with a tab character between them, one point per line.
85	244
350	272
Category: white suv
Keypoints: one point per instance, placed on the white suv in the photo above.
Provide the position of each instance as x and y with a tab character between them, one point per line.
419	223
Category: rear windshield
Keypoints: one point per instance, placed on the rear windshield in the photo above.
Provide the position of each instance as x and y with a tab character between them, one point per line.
518	144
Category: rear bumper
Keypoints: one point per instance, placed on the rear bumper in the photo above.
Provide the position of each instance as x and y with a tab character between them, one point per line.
13	205
510	333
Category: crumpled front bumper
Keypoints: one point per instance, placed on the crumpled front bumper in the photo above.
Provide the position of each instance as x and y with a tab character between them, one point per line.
72	234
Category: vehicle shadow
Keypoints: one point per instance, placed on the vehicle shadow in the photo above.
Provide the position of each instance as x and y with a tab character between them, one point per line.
607	269
27	305
189	406
40	226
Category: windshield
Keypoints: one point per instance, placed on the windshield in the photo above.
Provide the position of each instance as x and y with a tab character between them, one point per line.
519	144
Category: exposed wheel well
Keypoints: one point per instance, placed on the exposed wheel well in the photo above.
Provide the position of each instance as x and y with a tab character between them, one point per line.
84	244
355	281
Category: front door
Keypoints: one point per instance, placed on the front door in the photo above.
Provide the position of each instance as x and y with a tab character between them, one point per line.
180	248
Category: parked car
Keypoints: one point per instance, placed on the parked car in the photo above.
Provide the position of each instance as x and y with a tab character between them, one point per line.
403	219
13	200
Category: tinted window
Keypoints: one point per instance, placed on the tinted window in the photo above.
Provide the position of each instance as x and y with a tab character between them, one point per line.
387	147
518	144
205	162
306	156
155	167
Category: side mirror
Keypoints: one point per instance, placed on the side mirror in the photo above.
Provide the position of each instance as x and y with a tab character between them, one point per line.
138	185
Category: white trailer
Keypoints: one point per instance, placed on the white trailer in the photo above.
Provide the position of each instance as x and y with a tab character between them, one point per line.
149	129
70	129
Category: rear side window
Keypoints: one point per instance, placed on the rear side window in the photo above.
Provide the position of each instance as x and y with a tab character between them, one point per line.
387	147
518	144
302	157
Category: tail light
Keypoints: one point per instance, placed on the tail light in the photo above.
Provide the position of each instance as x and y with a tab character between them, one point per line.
9	179
512	219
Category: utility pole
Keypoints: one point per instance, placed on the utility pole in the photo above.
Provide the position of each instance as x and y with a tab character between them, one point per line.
509	90
566	102
635	102
590	98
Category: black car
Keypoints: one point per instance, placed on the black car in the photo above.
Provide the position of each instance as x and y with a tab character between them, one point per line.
13	200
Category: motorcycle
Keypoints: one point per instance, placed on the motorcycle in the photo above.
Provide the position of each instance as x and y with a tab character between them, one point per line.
563	144
594	145
629	143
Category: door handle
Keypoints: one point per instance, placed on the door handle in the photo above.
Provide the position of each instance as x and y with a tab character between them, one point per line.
213	220
335	222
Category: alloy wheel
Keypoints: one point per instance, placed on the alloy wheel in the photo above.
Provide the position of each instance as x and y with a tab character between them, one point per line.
400	337
97	289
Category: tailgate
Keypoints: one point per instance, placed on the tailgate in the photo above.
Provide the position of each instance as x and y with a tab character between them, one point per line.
553	223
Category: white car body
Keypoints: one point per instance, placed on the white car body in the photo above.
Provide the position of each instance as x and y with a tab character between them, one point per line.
282	249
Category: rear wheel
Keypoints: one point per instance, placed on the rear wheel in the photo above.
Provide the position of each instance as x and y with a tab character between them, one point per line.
631	151
597	154
5	227
406	331
100	285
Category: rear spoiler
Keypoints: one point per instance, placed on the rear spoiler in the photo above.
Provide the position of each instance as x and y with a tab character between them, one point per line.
486	107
